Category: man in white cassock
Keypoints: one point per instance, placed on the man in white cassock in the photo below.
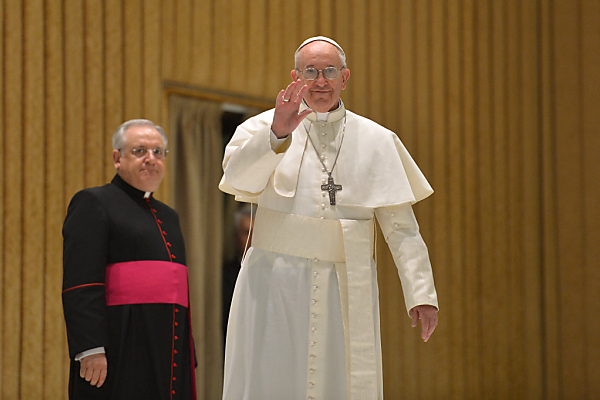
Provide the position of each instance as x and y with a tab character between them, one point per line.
304	321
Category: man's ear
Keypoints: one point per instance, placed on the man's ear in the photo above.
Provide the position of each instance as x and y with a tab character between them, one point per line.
294	75
345	77
116	155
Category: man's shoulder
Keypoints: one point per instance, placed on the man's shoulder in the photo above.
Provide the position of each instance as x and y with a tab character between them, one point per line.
366	124
97	192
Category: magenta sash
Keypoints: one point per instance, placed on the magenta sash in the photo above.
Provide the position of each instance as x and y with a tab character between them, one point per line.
149	281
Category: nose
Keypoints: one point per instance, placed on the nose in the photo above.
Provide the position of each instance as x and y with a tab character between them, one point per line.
150	157
320	79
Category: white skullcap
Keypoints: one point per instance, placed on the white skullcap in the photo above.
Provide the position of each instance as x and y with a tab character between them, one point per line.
322	39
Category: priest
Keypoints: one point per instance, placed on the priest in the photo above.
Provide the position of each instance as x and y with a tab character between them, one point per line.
304	321
125	281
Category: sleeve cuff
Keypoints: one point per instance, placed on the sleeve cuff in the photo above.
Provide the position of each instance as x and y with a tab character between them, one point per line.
96	350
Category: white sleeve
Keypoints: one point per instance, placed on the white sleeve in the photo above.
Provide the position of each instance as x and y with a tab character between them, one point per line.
251	157
96	350
401	232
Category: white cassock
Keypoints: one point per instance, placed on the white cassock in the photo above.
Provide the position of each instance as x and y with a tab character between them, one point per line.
304	320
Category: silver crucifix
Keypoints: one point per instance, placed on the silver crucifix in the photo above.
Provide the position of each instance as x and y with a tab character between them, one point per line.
332	188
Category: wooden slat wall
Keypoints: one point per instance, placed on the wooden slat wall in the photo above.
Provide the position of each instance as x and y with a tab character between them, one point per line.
497	102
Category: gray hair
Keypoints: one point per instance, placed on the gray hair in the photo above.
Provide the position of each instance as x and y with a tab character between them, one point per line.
118	139
322	39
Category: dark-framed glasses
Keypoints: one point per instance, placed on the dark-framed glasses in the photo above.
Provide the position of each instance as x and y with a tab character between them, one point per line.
310	74
158	152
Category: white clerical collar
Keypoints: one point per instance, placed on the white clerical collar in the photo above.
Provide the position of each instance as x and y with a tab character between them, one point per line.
322	116
147	195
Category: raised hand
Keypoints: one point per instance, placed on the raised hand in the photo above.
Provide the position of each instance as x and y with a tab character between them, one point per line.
286	117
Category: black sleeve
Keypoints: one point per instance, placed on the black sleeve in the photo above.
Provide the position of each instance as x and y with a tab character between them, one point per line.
85	246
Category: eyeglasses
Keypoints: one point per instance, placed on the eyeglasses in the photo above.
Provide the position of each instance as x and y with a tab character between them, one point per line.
158	152
310	74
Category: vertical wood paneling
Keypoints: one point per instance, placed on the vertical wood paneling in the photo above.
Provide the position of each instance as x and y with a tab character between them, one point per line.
471	228
134	59
485	107
2	191
223	32
114	56
531	143
498	282
74	98
438	239
237	49
568	153
33	201
374	64
590	34
496	101
276	62
552	318
326	20
343	36
308	20
202	42
95	142
151	60
169	39
183	32
405	64
456	199
513	159
257	71
13	199
391	98
357	47
55	354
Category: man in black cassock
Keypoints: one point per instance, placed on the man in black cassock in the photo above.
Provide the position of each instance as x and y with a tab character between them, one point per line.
125	281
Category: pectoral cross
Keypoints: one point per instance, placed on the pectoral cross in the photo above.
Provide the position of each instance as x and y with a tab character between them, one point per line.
332	188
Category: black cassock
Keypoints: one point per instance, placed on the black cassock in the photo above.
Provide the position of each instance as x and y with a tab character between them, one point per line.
148	343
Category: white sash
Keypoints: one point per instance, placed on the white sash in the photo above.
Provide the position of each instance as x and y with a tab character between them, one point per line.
348	244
